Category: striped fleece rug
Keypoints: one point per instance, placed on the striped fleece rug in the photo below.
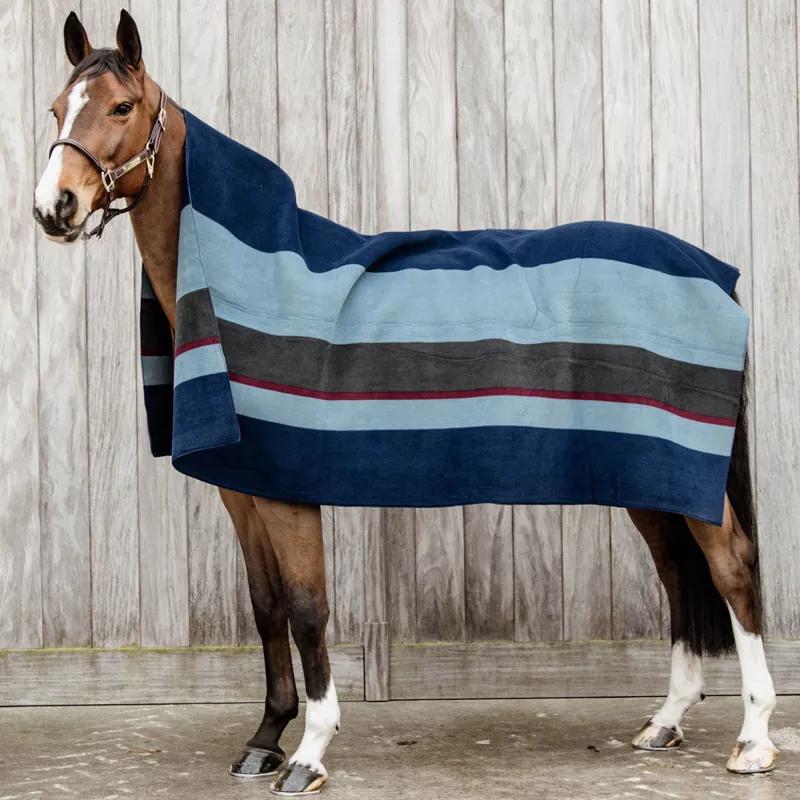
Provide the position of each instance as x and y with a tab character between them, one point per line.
589	363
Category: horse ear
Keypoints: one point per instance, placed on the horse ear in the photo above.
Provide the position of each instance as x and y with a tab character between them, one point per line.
128	41
75	40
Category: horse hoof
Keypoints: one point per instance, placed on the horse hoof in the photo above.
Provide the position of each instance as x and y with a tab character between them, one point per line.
295	779
751	758
656	737
257	763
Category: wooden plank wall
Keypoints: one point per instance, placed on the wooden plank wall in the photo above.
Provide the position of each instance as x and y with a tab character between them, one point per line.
408	114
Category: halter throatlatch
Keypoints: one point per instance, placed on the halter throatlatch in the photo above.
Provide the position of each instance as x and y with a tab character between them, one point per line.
111	176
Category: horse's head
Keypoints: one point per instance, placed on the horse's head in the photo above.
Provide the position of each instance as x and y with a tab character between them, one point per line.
105	111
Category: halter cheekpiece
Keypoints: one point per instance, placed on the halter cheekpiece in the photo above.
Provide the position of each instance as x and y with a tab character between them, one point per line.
111	176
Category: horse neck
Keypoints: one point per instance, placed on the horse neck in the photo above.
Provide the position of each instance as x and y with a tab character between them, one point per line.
156	220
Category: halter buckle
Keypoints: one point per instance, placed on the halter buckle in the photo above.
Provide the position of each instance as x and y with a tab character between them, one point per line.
151	163
108	181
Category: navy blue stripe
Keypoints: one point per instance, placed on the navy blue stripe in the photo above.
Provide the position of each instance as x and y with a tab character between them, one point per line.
417	468
254	199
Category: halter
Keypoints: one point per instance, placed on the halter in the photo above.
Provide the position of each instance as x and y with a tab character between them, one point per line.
111	176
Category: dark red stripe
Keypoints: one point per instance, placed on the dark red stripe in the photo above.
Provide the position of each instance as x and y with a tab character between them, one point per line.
196	343
491	392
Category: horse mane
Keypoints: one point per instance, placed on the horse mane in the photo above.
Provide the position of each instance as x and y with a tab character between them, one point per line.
104	59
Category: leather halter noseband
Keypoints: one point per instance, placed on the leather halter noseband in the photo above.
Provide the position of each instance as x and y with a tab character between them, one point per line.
111	176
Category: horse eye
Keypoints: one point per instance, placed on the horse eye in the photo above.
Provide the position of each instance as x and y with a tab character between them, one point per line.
123	109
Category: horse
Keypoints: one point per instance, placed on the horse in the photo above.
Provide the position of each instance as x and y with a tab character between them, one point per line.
120	137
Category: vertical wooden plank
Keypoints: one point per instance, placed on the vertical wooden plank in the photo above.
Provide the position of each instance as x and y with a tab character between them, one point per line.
636	596
579	110
63	414
530	114
772	29
163	545
433	203
677	177
113	403
531	154
725	129
340	83
350	526
253	87
440	576
580	195
212	542
376	627
538	590
480	75
301	100
20	565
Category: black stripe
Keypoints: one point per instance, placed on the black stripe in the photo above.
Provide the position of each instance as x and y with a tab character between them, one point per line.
156	335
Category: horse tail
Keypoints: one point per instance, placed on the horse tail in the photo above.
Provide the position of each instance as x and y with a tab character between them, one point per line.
706	624
740	489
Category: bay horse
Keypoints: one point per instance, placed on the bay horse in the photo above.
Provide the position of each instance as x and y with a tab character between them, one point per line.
114	123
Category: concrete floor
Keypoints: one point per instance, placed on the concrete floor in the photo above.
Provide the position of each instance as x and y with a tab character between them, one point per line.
466	750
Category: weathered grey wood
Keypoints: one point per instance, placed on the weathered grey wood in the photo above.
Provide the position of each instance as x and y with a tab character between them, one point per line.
538	586
163	543
482	204
376	661
401	573
627	137
433	177
20	566
578	110
376	627
530	114
677	176
340	78
580	195
481	115
564	669
63	415
489	573
351	525
111	342
301	99
531	158
440	575
772	37
212	542
253	99
433	154
181	675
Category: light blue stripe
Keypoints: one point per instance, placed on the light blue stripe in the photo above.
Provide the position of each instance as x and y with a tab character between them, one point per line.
156	370
200	361
476	412
593	301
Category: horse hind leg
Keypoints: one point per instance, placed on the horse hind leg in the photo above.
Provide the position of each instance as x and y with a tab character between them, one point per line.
263	755
732	559
296	534
665	534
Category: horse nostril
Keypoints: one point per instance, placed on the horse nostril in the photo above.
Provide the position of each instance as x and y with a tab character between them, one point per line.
66	205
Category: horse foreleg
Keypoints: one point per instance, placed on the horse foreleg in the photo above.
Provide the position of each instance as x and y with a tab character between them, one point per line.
731	558
263	756
296	535
663	731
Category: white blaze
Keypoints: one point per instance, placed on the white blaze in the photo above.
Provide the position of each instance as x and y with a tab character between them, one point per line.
322	722
47	192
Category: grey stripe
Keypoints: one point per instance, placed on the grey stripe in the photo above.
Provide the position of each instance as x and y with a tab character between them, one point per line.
556	366
195	318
